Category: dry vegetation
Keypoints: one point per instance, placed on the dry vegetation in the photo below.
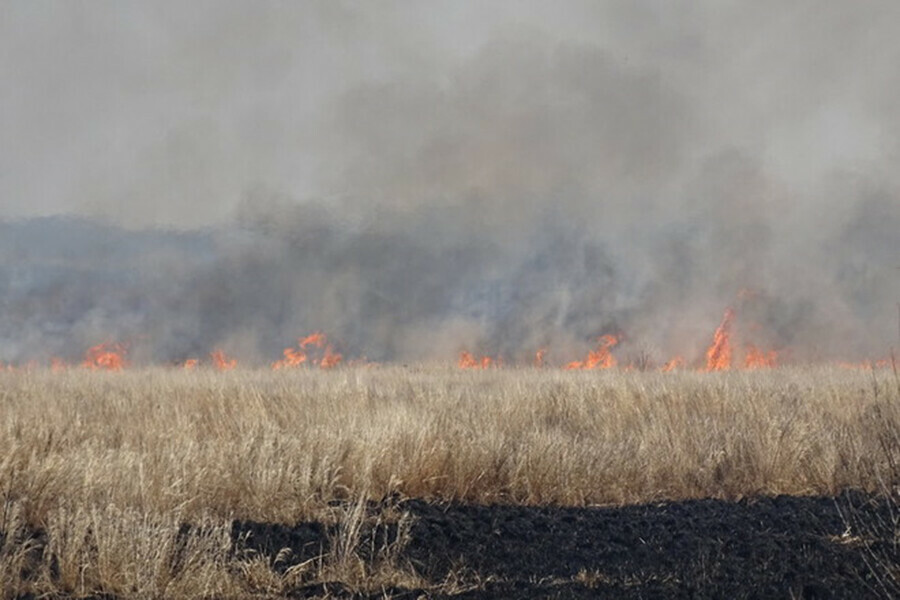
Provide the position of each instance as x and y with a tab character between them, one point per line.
107	468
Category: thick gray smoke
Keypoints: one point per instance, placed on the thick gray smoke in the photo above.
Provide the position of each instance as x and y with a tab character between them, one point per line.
417	179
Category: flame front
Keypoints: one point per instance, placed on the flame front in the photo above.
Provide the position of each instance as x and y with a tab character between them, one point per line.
675	363
222	361
105	357
468	361
294	357
718	356
601	358
330	358
729	349
316	340
758	359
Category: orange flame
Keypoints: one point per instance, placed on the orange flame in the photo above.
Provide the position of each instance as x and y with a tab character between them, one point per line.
330	358
601	358
758	359
727	350
675	363
718	356
468	361
316	339
105	357
221	361
294	357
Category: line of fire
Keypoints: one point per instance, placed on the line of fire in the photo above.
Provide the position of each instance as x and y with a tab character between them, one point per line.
316	351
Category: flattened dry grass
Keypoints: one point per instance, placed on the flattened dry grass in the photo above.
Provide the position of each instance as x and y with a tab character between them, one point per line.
109	466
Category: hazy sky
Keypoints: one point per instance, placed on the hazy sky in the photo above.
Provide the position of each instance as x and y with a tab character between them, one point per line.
171	113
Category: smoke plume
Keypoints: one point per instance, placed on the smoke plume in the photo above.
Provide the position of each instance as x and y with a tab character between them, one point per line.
417	179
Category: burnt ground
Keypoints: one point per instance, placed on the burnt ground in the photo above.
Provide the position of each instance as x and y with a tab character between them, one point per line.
782	547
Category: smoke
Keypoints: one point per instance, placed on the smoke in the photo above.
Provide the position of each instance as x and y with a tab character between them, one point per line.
419	179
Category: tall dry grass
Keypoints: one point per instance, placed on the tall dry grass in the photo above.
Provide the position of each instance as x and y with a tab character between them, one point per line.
109	466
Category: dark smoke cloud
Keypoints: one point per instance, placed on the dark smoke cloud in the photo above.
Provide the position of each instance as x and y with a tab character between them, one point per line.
413	188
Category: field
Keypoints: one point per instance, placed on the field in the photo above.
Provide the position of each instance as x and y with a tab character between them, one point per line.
400	482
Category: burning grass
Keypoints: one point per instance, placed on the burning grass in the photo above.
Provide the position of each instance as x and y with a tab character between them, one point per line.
123	459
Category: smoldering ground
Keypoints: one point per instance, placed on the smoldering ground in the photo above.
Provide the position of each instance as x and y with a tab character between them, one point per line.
627	170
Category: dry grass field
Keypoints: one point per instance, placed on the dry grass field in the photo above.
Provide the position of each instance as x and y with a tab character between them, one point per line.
127	484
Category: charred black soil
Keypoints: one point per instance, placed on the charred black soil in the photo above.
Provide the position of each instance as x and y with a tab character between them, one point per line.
769	547
782	547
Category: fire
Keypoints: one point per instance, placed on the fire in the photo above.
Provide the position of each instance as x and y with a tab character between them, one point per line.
601	358
468	361
330	358
718	356
758	359
675	363
729	349
316	339
105	357
221	361
294	357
